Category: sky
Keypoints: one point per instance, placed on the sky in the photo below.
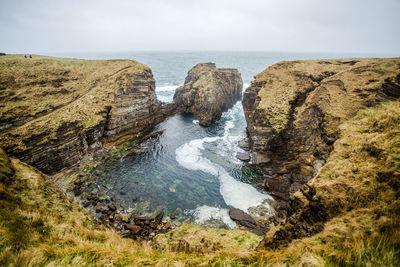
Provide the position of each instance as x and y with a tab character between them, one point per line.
52	26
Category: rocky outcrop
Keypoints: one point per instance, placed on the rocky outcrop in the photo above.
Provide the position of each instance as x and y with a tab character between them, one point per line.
356	193
208	92
55	110
245	220
294	110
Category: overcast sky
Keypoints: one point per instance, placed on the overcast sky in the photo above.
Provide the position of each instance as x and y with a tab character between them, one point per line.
40	26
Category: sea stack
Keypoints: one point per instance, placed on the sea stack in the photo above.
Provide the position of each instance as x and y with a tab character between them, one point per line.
208	92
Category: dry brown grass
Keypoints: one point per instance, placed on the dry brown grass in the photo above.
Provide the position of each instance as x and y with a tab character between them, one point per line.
42	93
283	81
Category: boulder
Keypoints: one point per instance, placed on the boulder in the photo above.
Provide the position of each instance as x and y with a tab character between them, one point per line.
208	92
247	221
243	156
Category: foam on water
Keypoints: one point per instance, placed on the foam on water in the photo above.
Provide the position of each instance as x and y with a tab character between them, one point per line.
205	213
167	88
166	93
235	193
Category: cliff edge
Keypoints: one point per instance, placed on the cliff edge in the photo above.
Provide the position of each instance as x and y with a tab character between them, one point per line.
54	110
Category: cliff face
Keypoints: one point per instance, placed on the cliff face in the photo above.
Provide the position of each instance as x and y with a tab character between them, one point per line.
54	110
353	203
294	109
208	92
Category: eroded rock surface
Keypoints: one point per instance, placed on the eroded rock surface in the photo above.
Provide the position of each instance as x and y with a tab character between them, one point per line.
294	110
55	110
208	92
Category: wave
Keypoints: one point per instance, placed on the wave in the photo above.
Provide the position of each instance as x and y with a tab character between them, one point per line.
205	213
235	193
167	88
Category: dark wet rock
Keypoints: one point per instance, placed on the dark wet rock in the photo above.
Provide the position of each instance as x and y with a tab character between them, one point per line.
302	218
247	221
112	207
208	92
243	156
134	229
99	209
153	134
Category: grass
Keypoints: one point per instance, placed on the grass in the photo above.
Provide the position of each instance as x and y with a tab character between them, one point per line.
42	94
359	187
42	226
282	82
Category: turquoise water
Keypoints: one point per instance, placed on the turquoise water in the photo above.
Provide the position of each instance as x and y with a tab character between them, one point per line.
189	170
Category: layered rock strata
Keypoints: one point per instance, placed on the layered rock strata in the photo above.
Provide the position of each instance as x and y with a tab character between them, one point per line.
294	110
208	92
54	110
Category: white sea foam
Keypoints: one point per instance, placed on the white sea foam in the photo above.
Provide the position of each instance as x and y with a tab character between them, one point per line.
246	85
167	88
189	156
235	193
205	213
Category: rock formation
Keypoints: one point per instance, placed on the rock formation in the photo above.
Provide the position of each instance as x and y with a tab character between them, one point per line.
245	220
294	111
208	92
55	110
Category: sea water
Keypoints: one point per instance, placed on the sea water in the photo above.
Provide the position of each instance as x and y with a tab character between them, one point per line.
189	170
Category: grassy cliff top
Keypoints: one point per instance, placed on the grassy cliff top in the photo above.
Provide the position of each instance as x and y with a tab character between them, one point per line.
284	81
360	188
41	93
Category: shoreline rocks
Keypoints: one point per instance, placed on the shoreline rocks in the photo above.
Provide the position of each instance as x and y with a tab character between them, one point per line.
245	220
208	92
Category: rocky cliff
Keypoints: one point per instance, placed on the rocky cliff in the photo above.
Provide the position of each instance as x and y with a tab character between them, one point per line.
208	92
352	205
54	110
294	110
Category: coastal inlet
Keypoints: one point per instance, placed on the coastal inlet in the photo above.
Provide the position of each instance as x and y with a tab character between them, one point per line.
188	171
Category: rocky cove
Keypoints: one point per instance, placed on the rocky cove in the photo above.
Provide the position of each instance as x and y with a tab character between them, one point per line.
98	129
119	162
